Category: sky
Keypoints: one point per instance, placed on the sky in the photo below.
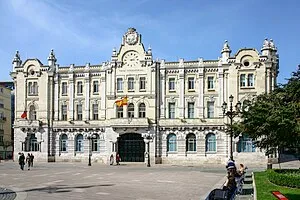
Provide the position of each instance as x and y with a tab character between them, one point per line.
86	31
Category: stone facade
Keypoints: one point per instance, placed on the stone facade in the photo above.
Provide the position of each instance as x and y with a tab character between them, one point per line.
175	107
5	123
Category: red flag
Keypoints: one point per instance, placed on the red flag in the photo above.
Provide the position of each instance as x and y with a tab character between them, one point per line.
24	115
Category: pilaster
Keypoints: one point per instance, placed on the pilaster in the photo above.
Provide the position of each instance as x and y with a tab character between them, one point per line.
221	91
103	98
163	95
56	94
71	96
201	94
86	116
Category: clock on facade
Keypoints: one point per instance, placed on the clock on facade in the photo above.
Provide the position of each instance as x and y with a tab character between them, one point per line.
131	38
131	59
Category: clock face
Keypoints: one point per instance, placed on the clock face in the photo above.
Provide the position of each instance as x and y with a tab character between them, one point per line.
131	59
131	38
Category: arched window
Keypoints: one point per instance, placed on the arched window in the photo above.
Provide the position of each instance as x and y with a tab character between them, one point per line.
31	143
246	144
191	142
142	110
79	143
130	110
64	143
171	142
210	142
96	142
120	112
32	113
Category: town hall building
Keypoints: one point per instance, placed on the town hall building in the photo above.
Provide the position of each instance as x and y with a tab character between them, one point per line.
169	112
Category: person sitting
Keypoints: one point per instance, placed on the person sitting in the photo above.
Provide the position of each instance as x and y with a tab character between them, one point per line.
230	184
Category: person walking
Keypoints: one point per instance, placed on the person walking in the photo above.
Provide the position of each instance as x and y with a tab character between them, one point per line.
111	159
118	159
28	161
31	159
21	161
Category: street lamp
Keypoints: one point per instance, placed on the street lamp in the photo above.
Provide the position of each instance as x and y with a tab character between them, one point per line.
90	138
147	140
231	114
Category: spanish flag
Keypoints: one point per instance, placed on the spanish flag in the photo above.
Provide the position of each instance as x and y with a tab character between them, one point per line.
122	102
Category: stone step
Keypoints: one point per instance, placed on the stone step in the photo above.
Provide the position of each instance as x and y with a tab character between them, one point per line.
248	181
247	189
244	197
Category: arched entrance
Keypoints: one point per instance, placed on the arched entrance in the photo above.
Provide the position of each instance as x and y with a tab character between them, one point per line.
131	147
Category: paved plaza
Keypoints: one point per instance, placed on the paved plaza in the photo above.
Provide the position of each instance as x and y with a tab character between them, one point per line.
79	181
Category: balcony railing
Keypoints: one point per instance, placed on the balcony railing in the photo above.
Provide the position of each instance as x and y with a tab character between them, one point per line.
129	122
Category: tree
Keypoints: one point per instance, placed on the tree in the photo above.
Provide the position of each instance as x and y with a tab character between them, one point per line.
273	120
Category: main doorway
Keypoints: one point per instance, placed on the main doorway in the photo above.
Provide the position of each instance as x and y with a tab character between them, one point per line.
131	147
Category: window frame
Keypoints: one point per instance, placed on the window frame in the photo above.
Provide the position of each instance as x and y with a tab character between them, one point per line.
95	111
191	141
191	83
142	110
79	144
191	110
95	87
120	85
130	84
210	82
142	83
210	112
79	112
172	84
64	88
210	143
79	88
172	112
171	143
64	112
119	112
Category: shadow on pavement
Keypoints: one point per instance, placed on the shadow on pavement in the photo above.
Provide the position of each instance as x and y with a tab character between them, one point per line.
63	188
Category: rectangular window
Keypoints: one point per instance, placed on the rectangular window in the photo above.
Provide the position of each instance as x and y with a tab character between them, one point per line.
119	85
250	80
210	109
210	82
64	88
243	80
64	112
79	88
191	110
172	110
120	112
131	84
32	88
95	86
191	83
142	83
79	112
95	111
171	84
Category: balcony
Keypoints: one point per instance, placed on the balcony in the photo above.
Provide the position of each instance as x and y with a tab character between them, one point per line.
191	122
34	124
128	122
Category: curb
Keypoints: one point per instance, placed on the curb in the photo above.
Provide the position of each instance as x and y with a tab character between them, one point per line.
254	187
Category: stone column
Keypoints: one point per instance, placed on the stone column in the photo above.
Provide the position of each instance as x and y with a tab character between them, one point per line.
86	116
200	94
181	95
163	93
103	98
71	96
56	94
221	91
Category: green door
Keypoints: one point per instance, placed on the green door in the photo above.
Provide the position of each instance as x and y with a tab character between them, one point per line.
131	147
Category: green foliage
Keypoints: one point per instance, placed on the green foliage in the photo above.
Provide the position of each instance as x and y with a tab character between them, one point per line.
264	188
273	120
285	177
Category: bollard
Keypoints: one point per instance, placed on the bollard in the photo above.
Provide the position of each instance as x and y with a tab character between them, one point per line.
269	166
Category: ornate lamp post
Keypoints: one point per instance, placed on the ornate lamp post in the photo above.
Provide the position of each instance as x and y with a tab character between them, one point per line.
90	138
231	114
148	139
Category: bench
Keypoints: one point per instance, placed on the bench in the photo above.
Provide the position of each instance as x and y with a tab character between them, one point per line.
279	196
